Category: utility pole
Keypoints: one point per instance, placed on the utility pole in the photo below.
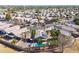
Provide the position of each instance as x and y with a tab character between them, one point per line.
24	9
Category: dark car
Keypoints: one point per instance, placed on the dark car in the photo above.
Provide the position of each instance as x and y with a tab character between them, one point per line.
2	32
7	37
17	38
10	34
14	36
75	35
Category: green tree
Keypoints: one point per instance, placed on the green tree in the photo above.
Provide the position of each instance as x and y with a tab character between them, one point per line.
55	19
33	32
47	31
8	17
76	20
13	41
55	33
12	10
37	11
53	41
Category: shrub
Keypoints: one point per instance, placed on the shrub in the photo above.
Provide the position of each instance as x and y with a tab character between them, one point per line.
53	41
13	41
76	21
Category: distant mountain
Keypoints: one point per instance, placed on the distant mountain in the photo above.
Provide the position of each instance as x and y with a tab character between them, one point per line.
39	6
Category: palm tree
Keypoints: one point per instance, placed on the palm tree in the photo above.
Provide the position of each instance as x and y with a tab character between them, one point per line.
24	35
33	32
8	16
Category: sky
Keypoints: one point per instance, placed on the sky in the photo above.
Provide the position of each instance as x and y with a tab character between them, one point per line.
39	2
